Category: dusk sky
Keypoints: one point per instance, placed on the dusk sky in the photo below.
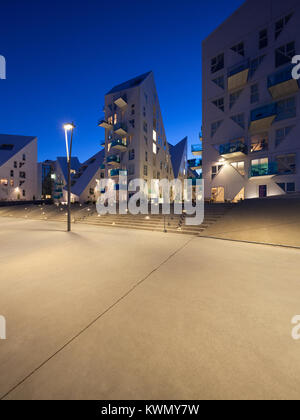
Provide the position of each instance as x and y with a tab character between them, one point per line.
63	56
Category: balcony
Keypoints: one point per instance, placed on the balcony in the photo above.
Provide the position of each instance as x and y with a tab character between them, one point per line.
197	149
119	144
102	144
233	150
105	124
113	160
264	170
262	118
195	164
238	75
118	172
121	102
121	129
102	167
282	84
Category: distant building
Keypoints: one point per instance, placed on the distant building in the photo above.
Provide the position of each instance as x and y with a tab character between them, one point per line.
135	138
84	182
18	168
46	171
251	103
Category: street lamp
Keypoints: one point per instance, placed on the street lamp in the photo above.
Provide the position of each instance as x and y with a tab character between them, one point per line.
69	128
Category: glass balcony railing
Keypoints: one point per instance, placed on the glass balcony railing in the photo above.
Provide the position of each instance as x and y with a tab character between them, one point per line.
197	149
102	167
280	77
282	83
118	172
264	112
265	169
237	148
113	160
120	144
120	129
239	68
195	164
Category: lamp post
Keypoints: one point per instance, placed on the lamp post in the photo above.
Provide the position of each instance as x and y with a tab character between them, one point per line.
69	128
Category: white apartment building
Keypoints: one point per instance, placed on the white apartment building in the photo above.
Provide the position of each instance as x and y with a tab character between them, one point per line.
135	138
251	103
18	168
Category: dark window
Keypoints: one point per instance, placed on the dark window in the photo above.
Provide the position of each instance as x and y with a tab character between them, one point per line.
281	23
131	154
132	109
11	173
132	123
22	175
217	63
24	193
219	103
284	54
254	94
6	146
263	39
15	165
290	187
239	49
24	157
145	170
234	97
91	191
145	127
146	156
286	109
281	185
220	81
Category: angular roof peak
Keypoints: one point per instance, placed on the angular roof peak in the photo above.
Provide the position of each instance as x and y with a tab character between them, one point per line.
132	83
177	152
11	145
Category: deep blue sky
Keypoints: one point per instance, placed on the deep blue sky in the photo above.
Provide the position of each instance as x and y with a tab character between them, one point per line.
63	56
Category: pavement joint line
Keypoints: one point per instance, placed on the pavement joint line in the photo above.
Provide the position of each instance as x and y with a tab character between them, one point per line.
250	242
94	321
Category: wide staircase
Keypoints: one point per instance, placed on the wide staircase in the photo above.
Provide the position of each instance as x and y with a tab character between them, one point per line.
87	214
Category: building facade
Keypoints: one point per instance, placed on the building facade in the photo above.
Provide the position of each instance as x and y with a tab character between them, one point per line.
135	138
18	168
251	103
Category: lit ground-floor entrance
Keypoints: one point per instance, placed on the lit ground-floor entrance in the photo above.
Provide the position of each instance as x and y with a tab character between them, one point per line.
218	194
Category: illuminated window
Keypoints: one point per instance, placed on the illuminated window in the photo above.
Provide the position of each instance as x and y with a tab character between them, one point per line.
12	183
240	167
4	182
154	148
115	119
154	136
110	120
259	142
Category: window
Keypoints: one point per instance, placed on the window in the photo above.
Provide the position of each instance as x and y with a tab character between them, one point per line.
145	127
290	187
234	97
24	157
217	63
15	165
280	24
132	109
161	166
263	39
154	136
146	140
131	154
239	49
220	81
281	134
115	119
92	191
219	103
286	109
12	174
286	164
146	156
24	193
110	120
131	169
239	120
158	175
6	146
12	182
22	175
254	64
259	142
254	98
4	182
214	127
132	123
154	148
240	167
145	170
215	170
144	111
284	54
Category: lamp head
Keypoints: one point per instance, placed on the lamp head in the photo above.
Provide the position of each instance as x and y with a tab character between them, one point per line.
69	127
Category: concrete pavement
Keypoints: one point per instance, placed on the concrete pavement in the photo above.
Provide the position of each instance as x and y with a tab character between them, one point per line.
123	314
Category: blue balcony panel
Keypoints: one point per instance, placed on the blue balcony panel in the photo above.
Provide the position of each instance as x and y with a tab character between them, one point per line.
195	164
233	150
197	149
238	75
266	170
262	118
281	83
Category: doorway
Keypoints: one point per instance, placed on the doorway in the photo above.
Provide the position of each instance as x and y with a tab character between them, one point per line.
218	194
263	191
